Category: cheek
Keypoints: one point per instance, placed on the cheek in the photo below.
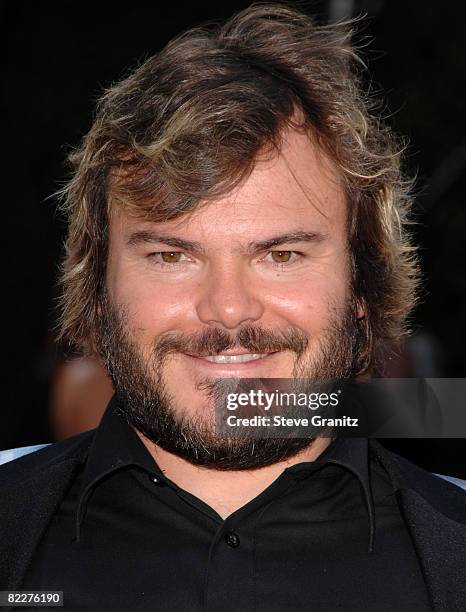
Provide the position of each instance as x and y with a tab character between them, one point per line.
310	304
152	308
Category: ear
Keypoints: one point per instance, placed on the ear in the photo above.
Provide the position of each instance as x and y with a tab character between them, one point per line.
98	308
360	311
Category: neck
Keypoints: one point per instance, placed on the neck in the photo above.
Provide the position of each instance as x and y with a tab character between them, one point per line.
226	491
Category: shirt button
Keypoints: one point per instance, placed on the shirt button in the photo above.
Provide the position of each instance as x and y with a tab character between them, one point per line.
232	539
157	481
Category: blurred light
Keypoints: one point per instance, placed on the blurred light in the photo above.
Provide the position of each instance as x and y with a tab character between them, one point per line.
340	9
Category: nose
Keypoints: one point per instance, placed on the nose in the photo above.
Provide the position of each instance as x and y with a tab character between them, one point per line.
228	298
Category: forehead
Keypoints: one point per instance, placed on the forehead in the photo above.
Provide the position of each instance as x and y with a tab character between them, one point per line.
298	189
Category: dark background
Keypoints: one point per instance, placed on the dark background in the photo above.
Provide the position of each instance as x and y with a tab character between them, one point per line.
56	60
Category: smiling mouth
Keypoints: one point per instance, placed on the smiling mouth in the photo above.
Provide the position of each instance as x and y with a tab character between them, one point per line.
235	358
240	359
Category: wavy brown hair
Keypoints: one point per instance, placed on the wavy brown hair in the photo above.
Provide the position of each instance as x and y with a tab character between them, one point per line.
187	126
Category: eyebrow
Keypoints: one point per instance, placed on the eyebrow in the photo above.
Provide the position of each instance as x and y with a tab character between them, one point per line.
150	237
293	236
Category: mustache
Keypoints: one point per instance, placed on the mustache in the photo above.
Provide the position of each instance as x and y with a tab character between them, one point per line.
214	341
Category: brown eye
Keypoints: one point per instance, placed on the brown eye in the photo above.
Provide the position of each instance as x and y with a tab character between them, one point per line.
171	256
281	256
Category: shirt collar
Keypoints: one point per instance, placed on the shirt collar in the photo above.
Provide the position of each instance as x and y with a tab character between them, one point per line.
116	446
353	455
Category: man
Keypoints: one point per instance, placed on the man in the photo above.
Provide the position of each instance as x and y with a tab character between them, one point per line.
234	212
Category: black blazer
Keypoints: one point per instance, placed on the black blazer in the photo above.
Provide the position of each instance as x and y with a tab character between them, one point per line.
434	510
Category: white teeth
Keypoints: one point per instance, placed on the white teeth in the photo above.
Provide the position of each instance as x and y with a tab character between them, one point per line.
234	358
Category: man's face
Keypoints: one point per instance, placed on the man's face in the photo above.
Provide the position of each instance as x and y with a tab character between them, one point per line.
255	284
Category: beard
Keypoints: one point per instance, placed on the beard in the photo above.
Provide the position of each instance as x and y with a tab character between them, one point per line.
148	405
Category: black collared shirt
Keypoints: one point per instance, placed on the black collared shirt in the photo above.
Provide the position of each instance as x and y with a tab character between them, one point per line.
325	535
